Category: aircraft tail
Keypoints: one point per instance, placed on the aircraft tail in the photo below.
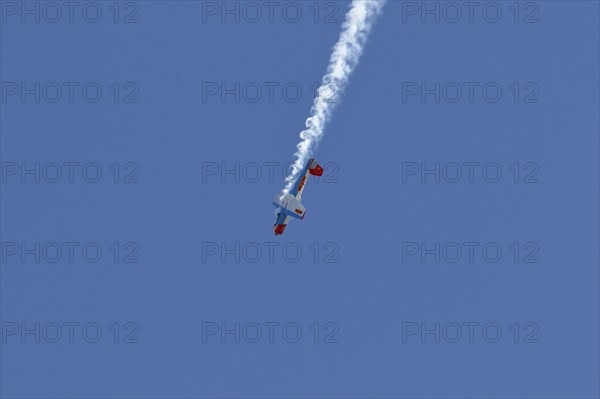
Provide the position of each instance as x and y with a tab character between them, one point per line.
314	168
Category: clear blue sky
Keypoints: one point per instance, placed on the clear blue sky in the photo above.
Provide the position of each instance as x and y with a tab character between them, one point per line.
372	215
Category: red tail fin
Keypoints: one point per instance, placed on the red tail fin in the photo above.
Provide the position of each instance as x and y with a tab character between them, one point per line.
316	171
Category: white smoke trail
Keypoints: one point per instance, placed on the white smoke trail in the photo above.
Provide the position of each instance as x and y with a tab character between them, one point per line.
343	60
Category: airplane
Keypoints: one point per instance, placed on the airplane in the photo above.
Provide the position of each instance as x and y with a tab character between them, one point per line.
289	206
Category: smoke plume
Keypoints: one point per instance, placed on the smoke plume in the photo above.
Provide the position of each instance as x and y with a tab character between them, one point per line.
344	58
